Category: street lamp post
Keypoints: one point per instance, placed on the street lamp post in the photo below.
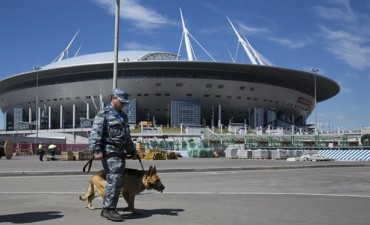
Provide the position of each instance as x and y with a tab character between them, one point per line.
212	117
37	68
315	71
116	42
168	115
249	118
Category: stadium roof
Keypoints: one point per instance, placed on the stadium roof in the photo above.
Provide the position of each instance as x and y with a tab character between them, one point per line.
108	57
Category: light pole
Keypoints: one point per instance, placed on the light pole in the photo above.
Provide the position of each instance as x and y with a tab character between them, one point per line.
116	42
37	68
168	115
315	71
212	116
249	118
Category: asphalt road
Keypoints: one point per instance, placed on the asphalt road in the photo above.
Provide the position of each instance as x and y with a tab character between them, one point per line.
290	196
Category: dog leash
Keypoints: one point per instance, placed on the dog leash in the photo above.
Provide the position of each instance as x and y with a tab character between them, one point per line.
138	158
89	166
89	163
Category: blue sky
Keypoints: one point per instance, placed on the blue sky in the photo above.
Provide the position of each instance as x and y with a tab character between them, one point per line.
333	35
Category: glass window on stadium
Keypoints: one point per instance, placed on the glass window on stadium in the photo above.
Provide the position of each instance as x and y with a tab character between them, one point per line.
130	110
18	118
185	111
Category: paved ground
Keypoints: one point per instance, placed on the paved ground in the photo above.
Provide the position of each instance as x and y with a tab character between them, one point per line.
29	165
198	191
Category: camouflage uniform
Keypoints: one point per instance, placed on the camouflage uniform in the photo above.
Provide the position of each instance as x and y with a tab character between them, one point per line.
110	135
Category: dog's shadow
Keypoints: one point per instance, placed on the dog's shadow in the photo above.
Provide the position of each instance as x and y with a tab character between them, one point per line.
143	213
30	217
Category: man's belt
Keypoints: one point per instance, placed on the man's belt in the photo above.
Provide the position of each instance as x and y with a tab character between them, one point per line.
114	154
109	141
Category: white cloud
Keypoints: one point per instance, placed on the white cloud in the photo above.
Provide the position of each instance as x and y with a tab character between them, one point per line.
352	48
264	31
135	46
341	117
341	13
290	43
343	88
249	30
348	41
214	8
352	75
354	108
138	14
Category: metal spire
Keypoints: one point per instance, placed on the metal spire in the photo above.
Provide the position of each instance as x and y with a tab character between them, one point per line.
65	51
189	47
78	50
254	56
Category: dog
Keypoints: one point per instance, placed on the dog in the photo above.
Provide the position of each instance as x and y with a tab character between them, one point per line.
135	182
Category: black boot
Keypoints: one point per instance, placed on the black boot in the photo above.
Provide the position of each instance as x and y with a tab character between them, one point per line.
111	214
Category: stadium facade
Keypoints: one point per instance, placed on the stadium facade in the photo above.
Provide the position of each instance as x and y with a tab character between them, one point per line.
164	89
69	92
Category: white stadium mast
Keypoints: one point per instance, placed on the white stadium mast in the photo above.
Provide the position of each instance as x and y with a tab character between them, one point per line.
188	46
254	56
65	51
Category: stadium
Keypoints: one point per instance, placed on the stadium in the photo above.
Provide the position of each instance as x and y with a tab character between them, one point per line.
163	89
76	88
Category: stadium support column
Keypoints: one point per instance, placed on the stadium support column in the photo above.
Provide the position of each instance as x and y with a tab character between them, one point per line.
212	117
74	116
38	118
49	117
87	111
101	101
255	118
30	115
219	116
5	119
61	117
249	118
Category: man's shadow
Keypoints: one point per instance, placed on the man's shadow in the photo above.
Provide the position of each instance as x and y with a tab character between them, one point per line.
30	217
144	213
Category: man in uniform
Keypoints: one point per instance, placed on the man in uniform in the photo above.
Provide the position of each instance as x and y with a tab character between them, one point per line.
52	149
41	151
110	140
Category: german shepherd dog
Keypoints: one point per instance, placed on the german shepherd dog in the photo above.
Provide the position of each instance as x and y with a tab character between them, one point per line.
135	182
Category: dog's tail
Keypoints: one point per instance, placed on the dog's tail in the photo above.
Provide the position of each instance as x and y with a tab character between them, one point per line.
89	192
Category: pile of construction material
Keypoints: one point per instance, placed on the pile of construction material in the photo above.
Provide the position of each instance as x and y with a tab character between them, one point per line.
239	152
231	152
279	154
261	154
294	153
154	153
76	156
314	157
218	153
200	153
244	153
